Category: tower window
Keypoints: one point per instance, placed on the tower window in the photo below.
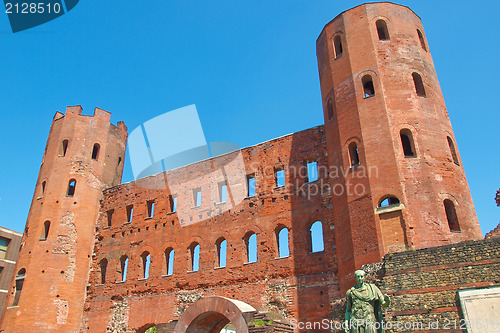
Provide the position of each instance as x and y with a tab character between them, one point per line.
71	188
451	215
421	39
95	151
388	201
330	108
453	151
407	142
21	275
104	266
169	260
221	245
353	154
283	246
45	232
317	242
368	88
419	85
383	33
337	46
194	250
146	262
64	147
124	266
43	186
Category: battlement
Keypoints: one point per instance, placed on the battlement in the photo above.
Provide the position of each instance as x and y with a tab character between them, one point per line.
100	114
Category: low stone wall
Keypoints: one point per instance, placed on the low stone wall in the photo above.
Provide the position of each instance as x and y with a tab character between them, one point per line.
424	284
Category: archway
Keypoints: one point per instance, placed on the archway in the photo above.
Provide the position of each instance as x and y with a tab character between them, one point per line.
211	314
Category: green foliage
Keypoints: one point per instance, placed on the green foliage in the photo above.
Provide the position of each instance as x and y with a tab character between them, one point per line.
151	330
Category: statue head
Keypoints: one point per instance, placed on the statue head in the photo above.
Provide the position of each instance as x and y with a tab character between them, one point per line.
360	276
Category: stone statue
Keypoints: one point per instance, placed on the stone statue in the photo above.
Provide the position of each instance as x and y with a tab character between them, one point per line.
364	306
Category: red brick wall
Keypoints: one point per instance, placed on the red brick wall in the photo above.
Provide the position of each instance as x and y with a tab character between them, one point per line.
298	286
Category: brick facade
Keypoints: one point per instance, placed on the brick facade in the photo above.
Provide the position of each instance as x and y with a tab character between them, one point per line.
103	265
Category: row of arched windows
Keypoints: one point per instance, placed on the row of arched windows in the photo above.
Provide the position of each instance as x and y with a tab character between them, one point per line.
407	144
383	34
250	240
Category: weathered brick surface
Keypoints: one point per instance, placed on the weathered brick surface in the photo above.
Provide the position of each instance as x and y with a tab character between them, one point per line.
276	284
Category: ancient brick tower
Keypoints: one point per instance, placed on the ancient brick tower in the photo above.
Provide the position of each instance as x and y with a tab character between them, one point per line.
397	177
83	156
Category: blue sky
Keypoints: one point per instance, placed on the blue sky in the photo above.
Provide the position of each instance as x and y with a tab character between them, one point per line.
249	66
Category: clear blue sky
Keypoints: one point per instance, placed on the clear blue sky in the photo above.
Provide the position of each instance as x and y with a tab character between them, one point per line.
249	66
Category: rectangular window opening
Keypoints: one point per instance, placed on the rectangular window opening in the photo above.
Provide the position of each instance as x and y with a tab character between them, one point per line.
312	171
251	185
130	213
173	203
109	214
197	197
151	208
222	192
280	177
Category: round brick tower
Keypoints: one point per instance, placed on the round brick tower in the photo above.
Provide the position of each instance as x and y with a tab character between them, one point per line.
396	173
83	156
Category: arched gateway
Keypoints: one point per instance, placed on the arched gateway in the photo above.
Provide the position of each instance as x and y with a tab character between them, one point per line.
211	314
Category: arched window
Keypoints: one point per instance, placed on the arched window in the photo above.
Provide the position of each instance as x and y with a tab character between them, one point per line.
383	33
169	260
419	84
452	150
71	188
221	245
123	267
421	39
251	247
20	276
95	151
451	215
64	147
337	46
43	187
353	154
283	246
330	108
317	242
194	250
146	262
104	266
368	88
407	142
388	201
45	232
